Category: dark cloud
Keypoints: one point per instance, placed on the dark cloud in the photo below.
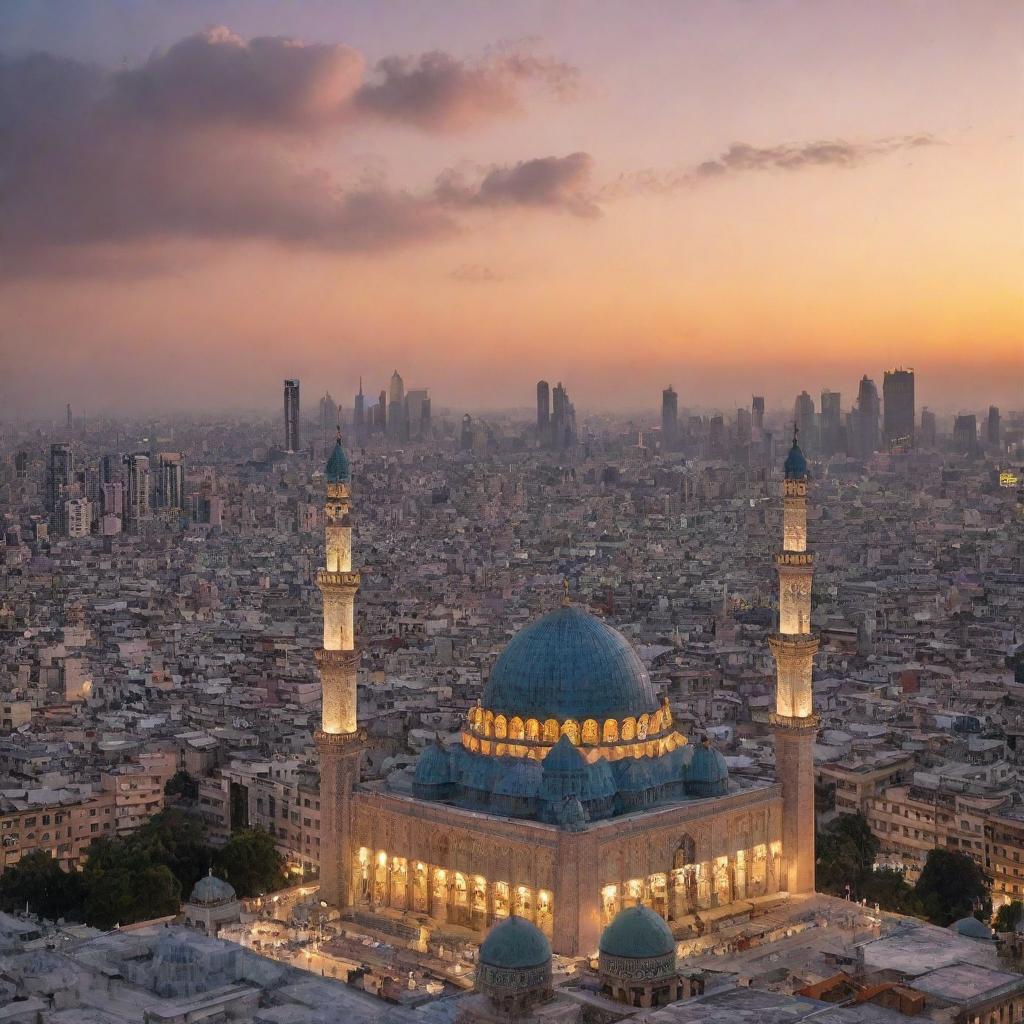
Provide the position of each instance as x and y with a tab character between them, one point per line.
200	143
552	181
436	91
742	158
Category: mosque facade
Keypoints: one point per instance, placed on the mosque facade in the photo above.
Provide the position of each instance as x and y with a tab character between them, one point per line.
571	794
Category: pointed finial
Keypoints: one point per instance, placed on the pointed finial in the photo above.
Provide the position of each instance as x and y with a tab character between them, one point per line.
339	434
796	432
565	592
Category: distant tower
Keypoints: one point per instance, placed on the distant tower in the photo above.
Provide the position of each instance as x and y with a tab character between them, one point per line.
669	417
543	410
806	421
868	408
328	416
831	422
381	421
171	480
466	435
359	412
794	647
136	500
993	430
60	473
291	415
396	407
898	407
928	428
757	413
71	419
339	739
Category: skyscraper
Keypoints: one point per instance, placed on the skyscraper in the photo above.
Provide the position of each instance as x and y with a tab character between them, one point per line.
563	418
328	416
928	429
60	474
543	410
136	499
669	418
993	430
416	400
868	408
831	423
806	421
380	419
291	415
898	409
757	413
359	412
965	433
171	480
396	408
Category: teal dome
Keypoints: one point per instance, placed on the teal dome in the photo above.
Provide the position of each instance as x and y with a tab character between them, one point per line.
637	933
211	890
515	943
433	767
569	664
971	928
707	774
337	470
796	464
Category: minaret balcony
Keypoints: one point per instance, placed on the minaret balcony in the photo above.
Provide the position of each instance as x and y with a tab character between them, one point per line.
348	580
794	560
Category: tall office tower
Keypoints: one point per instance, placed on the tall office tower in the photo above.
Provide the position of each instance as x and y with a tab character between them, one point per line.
794	647
563	418
466	435
426	422
414	400
78	517
328	417
21	465
291	415
381	417
757	413
110	468
965	433
543	410
716	437
669	418
831	423
112	498
928	428
868	408
136	499
898	410
359	412
70	418
993	430
396	408
806	421
744	427
60	475
339	739
171	480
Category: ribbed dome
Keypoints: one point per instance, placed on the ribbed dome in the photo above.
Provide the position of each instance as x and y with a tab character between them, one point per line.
707	774
337	470
971	928
433	767
515	943
637	933
569	664
211	890
796	464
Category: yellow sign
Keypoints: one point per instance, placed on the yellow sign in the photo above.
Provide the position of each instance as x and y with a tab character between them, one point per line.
1008	479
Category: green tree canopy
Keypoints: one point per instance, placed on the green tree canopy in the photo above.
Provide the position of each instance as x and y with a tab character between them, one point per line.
124	884
846	852
251	863
1008	916
952	886
38	882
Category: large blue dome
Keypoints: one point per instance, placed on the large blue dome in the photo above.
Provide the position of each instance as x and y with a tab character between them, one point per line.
569	664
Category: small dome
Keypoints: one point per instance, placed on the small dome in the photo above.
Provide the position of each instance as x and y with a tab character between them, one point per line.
522	780
569	664
637	933
211	890
564	757
796	464
515	943
634	774
971	928
707	774
337	470
572	816
433	767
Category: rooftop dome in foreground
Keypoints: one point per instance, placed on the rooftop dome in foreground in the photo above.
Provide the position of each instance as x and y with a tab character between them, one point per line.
638	933
569	664
211	890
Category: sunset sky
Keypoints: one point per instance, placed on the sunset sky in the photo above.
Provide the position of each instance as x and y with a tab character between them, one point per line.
198	199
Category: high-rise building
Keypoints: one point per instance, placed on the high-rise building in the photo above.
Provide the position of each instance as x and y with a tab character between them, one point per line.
466	434
171	480
965	433
21	465
794	647
415	401
757	413
397	426
543	410
78	517
111	467
70	418
744	427
563	419
292	437
993	430
669	418
381	416
928	428
831	423
328	416
868	409
136	500
60	475
806	421
716	437
112	498
359	412
898	409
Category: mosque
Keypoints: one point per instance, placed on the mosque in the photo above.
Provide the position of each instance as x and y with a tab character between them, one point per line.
572	796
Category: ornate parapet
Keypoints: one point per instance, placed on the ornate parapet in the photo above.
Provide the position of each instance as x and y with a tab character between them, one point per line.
794	560
788	645
339	742
789	723
327	580
337	659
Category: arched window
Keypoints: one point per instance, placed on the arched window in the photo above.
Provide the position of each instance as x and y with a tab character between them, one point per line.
532	729
489	723
515	729
572	730
641	727
591	734
550	731
500	727
686	852
629	730
611	731
656	721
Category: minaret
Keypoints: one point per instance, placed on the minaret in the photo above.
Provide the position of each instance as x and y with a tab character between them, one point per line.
339	739
794	647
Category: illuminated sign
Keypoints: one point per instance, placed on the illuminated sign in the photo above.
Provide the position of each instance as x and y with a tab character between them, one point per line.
1008	479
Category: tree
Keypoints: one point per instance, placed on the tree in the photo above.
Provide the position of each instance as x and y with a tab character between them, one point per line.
123	885
182	786
952	886
846	852
178	840
889	889
39	882
1008	916
250	862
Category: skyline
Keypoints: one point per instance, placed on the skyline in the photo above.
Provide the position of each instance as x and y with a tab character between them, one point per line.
487	198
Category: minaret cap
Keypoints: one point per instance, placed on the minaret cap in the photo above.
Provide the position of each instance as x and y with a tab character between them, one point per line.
337	470
796	464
